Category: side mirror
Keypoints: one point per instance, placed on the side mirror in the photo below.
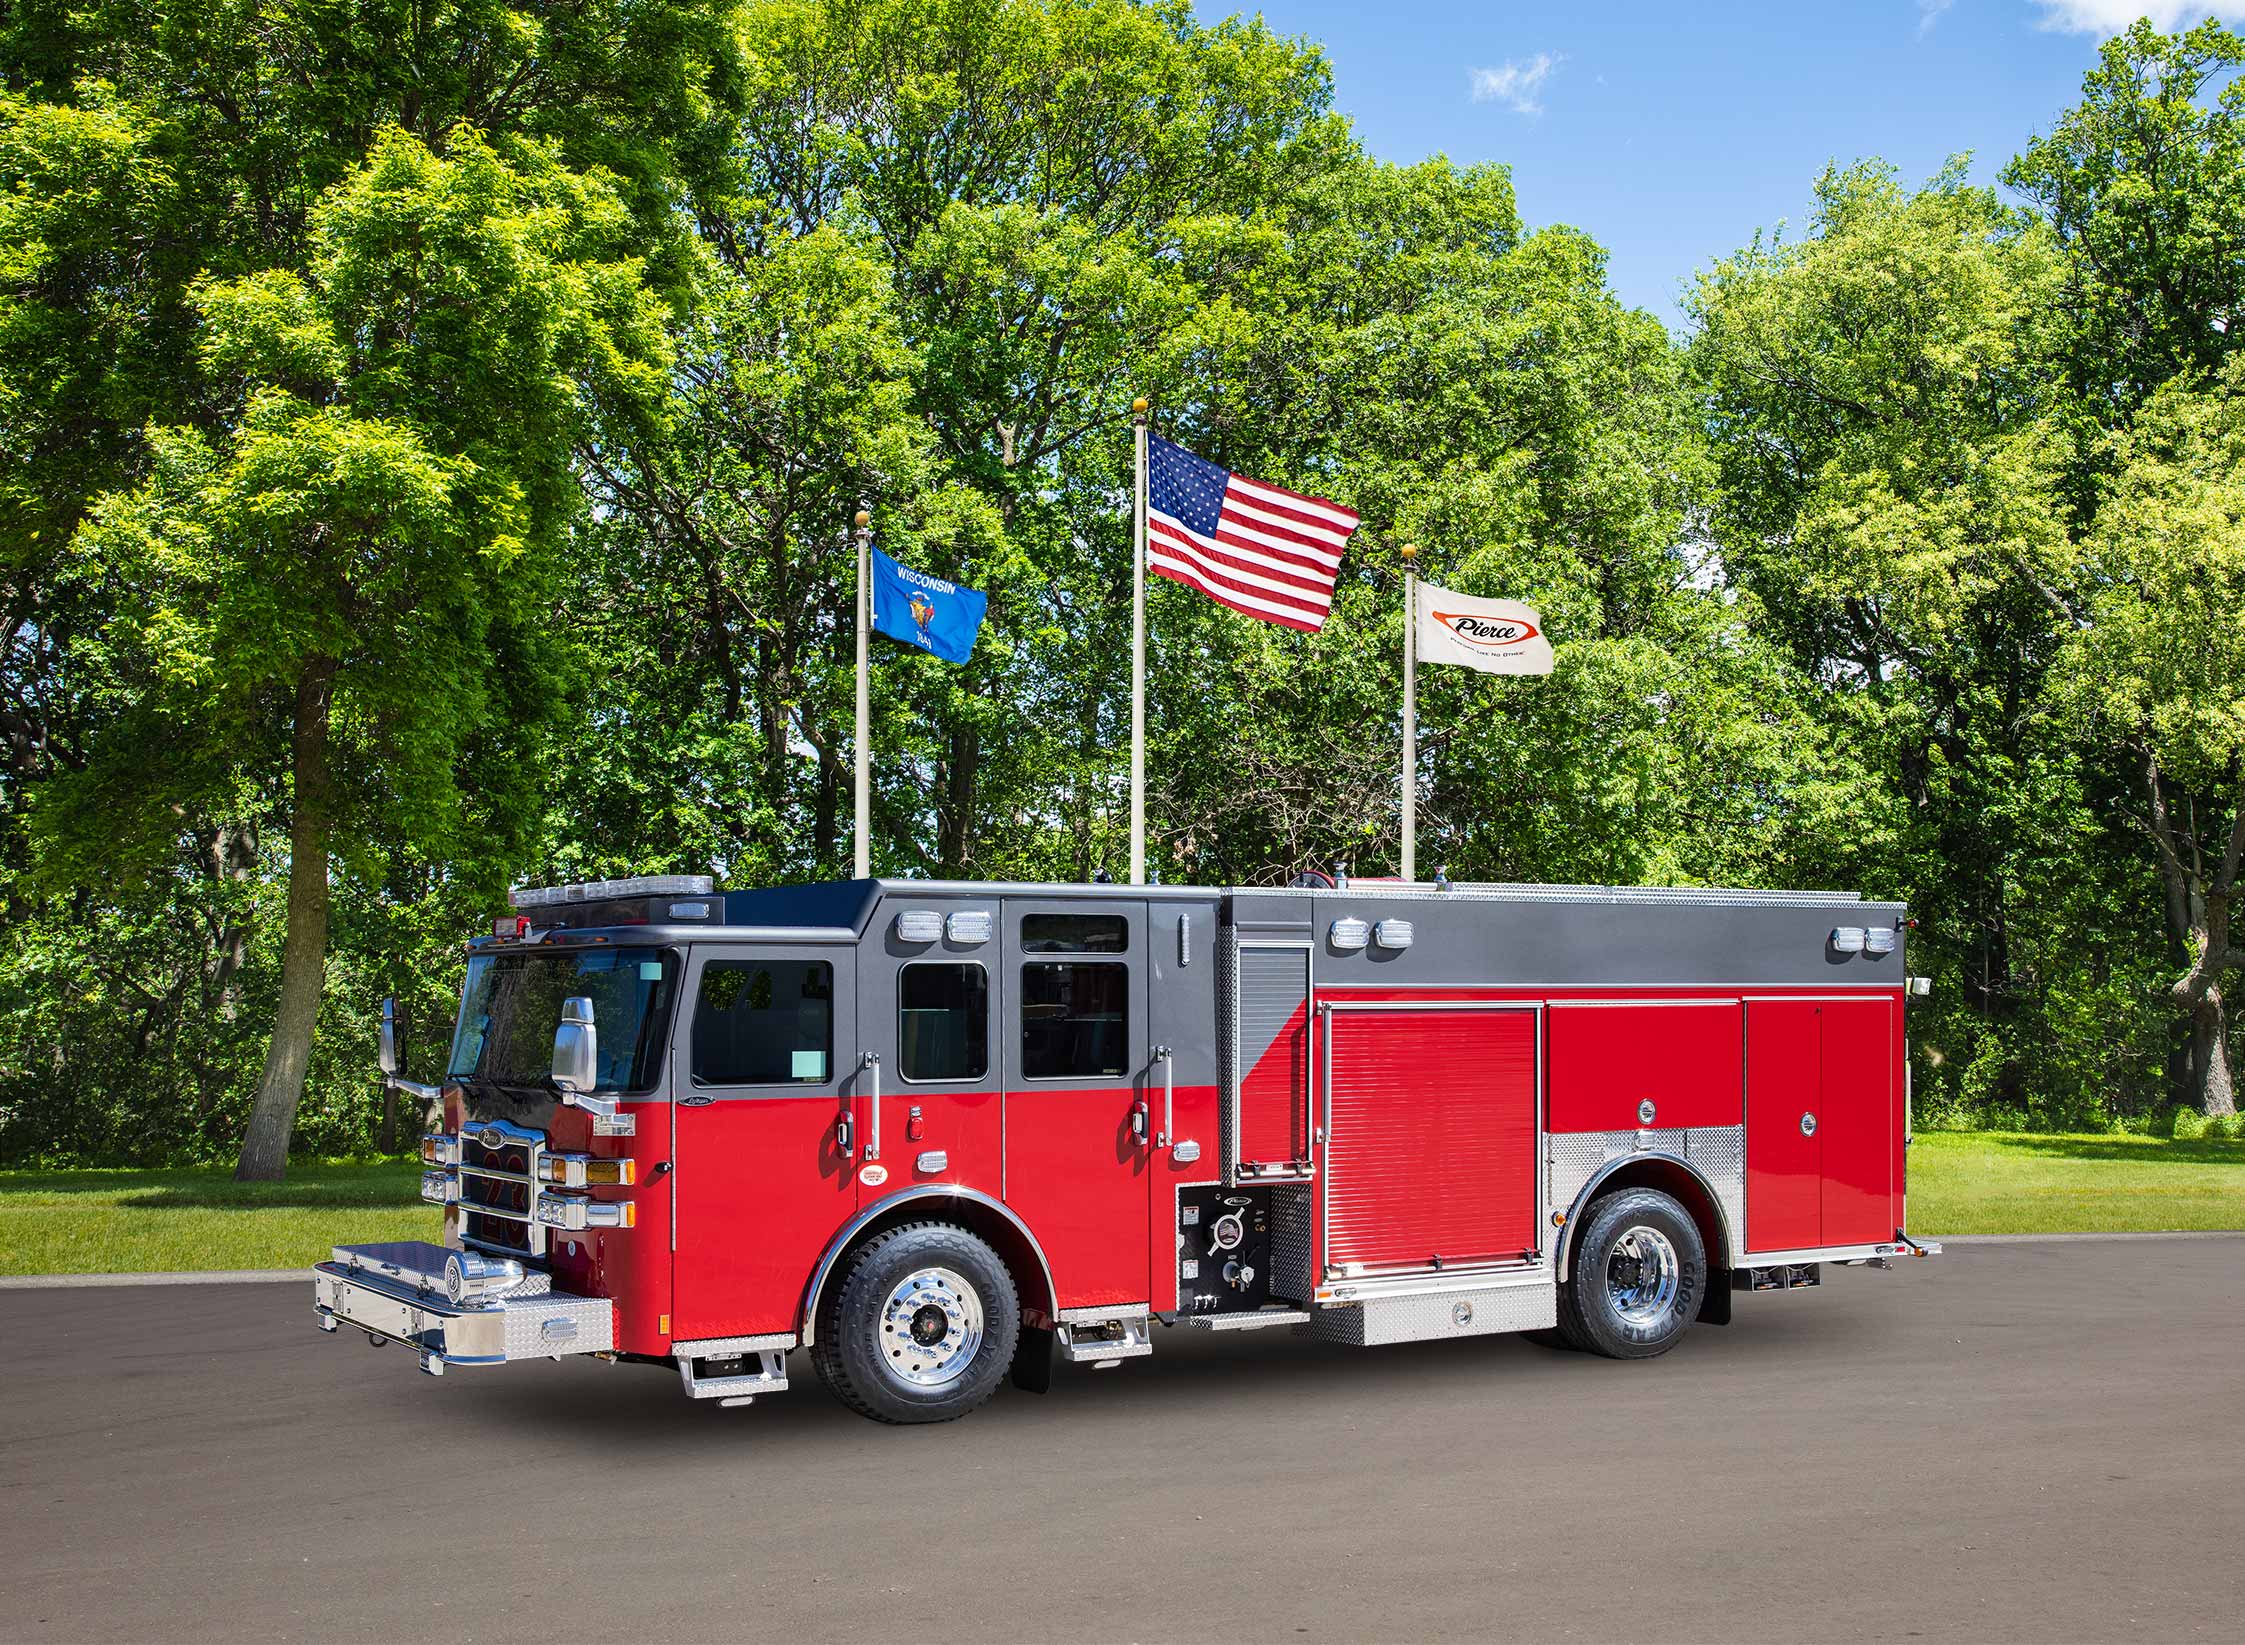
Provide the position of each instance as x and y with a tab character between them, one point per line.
387	1055
576	1048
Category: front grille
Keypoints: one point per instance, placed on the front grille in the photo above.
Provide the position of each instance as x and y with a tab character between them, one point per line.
496	1192
498	1187
497	1232
507	1156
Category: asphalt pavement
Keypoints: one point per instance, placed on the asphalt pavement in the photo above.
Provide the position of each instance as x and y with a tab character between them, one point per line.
2037	1442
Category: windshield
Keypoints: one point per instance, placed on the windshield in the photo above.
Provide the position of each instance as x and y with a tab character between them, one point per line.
512	1004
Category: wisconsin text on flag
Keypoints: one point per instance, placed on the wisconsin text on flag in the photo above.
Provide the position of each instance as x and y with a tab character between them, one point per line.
1257	548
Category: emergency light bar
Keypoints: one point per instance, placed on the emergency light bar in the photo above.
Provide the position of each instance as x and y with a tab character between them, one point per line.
644	885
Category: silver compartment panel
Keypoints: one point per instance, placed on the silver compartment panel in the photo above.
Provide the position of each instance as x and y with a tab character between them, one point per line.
1486	1311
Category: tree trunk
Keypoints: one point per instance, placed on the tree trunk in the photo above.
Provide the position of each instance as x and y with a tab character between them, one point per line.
956	820
233	858
304	949
2217	1089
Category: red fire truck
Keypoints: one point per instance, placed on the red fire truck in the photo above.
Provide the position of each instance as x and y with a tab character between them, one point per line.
936	1133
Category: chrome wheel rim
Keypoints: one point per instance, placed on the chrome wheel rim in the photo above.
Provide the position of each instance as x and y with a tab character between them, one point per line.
931	1328
1643	1276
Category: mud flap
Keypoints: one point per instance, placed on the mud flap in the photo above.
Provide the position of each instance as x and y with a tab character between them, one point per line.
1032	1360
1715	1307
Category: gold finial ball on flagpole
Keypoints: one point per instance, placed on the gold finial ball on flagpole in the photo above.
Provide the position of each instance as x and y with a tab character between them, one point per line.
1409	551
863	519
1138	408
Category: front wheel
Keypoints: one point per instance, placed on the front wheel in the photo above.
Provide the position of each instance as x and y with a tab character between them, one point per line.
1638	1275
921	1328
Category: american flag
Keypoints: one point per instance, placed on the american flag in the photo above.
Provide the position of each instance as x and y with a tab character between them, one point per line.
1257	548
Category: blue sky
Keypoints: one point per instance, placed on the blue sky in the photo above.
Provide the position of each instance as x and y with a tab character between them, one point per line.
1671	131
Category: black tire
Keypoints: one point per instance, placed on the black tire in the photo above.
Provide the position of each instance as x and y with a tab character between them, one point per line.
894	1342
1638	1276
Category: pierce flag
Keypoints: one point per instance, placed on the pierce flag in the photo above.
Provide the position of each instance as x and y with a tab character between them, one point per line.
1495	636
925	611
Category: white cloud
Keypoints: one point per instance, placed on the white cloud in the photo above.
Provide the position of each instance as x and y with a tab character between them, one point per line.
2111	16
1929	13
1517	83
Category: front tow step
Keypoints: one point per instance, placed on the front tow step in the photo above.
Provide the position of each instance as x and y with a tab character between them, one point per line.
734	1378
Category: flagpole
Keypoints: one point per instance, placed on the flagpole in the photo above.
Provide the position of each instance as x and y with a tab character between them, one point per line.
1138	653
1410	715
862	848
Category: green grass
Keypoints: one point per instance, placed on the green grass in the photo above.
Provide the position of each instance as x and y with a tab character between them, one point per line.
114	1222
2001	1182
95	1222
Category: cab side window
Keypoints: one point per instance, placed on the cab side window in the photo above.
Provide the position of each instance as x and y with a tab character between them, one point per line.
1075	1019
942	1021
764	1022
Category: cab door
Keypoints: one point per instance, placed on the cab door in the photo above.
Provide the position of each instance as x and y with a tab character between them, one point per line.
929	999
761	1179
1080	1091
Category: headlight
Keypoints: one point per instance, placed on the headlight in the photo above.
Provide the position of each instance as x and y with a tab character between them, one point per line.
583	1171
440	1149
574	1213
439	1187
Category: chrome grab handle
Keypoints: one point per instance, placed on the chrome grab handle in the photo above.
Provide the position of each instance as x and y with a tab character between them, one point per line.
1168	1095
871	1063
845	1135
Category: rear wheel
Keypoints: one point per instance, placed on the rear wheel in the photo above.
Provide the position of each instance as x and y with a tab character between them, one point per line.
1638	1275
920	1327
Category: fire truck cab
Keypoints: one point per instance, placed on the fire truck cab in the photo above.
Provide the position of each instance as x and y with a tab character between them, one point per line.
934	1134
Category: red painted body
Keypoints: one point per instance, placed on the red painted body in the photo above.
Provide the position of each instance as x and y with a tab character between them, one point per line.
1784	1169
1607	1057
1861	1090
620	1262
1434	1147
1840	1184
1078	1175
769	1189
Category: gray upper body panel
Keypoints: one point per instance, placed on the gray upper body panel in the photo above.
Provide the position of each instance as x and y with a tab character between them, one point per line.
1466	935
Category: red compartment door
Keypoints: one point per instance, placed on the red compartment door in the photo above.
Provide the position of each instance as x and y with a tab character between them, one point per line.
1432	1145
1859	1124
1784	1162
1608	1057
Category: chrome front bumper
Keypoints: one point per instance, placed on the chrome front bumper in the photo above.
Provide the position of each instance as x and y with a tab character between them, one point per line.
396	1292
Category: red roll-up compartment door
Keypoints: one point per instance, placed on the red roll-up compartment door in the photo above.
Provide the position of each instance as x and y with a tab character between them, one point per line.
1432	1146
1609	1057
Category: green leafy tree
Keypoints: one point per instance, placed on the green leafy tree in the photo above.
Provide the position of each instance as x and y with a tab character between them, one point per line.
1893	468
353	573
2156	670
2143	186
